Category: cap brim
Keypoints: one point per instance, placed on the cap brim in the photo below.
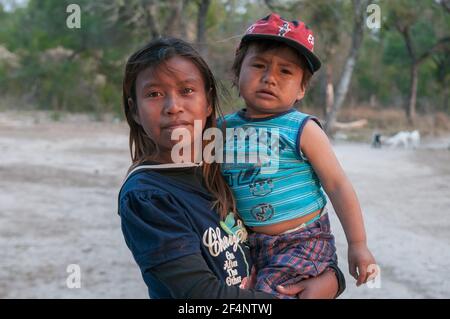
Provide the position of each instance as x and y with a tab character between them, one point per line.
312	60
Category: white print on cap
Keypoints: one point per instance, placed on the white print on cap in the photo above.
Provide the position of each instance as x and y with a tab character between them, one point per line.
284	29
250	30
311	39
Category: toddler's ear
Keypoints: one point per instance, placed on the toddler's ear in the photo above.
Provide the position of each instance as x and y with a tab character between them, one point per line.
133	110
301	93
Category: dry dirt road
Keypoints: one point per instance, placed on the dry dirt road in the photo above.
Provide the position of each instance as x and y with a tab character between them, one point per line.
58	190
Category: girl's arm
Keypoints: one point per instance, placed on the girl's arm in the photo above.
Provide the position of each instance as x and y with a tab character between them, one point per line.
315	145
323	286
190	277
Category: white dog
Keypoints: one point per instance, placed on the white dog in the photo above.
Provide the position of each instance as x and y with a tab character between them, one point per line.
405	138
414	138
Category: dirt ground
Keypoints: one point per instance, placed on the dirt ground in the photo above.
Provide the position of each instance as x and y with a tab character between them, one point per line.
58	206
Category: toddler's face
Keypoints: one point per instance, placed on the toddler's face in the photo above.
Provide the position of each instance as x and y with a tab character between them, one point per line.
270	82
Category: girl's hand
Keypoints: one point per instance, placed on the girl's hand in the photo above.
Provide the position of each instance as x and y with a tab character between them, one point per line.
359	261
324	286
250	281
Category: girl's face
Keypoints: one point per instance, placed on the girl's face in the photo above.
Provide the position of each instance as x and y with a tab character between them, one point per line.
169	96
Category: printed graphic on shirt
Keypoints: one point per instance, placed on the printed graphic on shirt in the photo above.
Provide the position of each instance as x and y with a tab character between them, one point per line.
263	212
248	146
261	187
251	139
247	176
230	267
219	243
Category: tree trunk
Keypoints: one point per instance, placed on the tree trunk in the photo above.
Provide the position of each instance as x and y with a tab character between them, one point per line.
201	27
359	7
329	89
411	107
173	22
151	21
183	22
342	89
415	63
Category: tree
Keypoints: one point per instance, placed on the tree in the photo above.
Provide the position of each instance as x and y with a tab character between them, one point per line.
201	26
152	17
406	20
359	7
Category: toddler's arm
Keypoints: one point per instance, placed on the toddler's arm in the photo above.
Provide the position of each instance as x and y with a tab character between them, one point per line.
315	145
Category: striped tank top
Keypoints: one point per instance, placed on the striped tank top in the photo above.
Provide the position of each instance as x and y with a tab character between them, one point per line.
271	179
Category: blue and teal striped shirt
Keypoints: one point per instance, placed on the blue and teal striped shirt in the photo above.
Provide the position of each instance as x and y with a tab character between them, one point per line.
291	189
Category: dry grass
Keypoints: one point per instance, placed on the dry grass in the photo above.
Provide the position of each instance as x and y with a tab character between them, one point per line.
391	121
387	121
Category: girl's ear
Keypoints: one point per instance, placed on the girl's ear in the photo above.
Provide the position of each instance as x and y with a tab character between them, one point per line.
133	110
209	107
209	110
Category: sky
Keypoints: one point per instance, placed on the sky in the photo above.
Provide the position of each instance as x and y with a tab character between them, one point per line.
10	5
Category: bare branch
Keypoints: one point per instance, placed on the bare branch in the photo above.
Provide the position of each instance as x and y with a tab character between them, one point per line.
409	43
436	47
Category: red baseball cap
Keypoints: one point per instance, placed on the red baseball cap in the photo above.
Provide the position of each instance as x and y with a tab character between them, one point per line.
293	33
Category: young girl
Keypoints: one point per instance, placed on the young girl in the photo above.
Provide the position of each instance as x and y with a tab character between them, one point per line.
184	247
285	208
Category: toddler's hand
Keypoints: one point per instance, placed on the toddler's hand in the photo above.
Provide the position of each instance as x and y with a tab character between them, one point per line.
359	260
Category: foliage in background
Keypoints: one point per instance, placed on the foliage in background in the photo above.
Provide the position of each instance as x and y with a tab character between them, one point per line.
46	64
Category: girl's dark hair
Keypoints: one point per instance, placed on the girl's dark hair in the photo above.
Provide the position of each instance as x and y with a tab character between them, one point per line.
263	46
142	147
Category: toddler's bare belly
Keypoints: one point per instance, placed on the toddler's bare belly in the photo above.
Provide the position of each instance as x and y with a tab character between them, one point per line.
279	228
